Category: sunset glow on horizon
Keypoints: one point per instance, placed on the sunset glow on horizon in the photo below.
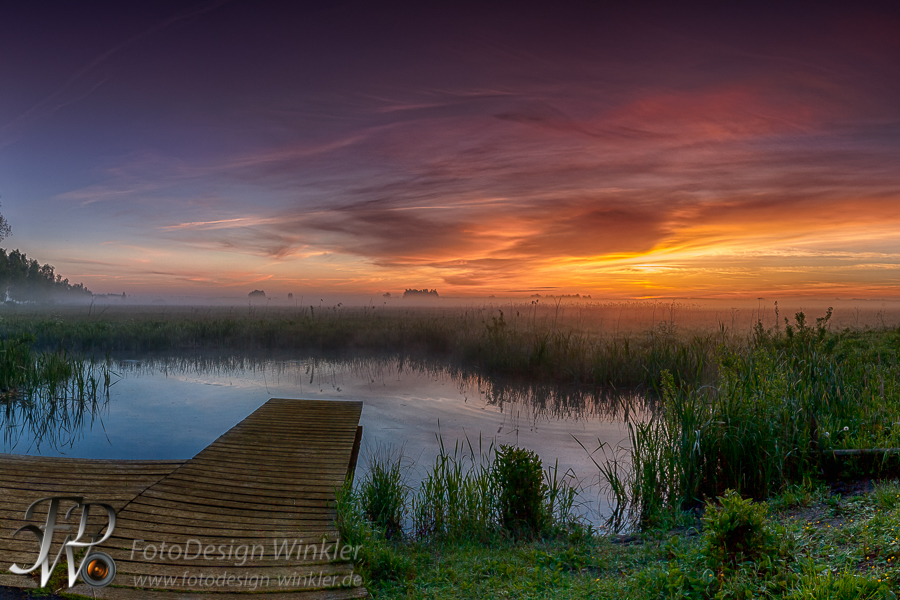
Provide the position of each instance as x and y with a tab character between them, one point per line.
212	148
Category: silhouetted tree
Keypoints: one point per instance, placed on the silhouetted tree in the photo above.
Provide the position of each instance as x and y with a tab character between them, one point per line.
423	293
5	229
22	279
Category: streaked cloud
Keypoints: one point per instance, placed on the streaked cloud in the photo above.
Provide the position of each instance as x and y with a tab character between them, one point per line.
652	156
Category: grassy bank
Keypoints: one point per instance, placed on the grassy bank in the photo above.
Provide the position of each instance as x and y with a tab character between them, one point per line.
453	538
778	408
812	545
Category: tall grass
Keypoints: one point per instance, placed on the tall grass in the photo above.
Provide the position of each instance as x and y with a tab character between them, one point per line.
48	397
457	497
534	345
383	492
777	404
471	492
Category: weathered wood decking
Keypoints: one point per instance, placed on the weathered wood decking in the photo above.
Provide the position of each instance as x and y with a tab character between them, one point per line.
264	487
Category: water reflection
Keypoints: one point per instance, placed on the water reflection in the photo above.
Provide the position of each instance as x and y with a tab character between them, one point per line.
538	401
172	407
40	420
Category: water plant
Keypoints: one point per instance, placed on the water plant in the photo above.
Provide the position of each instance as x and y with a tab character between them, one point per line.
457	495
470	492
48	397
383	491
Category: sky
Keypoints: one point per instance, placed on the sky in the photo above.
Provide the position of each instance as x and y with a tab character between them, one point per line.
216	147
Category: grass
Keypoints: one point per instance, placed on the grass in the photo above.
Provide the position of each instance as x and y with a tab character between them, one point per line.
685	487
48	397
806	543
779	404
471	497
529	342
470	492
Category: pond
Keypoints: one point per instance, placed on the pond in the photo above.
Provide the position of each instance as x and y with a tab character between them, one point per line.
172	408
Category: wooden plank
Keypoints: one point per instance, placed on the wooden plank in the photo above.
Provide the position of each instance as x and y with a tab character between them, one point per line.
249	477
195	502
174	510
354	454
277	495
176	507
277	473
242	456
114	462
235	458
270	478
268	557
133	528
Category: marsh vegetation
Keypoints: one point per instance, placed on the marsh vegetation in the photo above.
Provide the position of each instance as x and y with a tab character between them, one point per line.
530	342
733	438
48	397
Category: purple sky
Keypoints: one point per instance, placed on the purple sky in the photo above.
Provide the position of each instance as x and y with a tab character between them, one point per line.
218	147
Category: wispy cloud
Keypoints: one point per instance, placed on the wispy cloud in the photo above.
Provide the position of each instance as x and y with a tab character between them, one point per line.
662	160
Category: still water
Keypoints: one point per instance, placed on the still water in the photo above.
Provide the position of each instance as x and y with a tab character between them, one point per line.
173	408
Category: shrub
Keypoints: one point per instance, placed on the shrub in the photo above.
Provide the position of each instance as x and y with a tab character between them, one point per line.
736	531
521	490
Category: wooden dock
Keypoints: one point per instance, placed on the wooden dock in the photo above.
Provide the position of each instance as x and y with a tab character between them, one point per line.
251	513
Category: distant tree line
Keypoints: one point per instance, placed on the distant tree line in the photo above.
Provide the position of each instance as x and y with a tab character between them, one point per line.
573	296
420	293
25	280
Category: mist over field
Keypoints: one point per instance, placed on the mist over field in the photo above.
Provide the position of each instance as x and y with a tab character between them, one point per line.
631	316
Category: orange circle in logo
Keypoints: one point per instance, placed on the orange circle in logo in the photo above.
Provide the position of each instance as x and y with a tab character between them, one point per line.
97	569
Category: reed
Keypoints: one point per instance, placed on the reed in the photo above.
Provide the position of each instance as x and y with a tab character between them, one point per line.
383	492
457	497
535	345
49	398
777	405
471	492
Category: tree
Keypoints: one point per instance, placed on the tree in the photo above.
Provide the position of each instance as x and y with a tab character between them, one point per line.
5	229
25	279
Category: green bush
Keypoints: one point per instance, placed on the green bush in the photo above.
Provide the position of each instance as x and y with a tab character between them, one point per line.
521	490
736	531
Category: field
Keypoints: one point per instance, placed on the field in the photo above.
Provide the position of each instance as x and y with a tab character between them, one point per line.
620	344
731	487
